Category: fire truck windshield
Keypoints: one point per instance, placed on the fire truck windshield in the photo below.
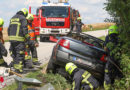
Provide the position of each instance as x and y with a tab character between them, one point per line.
54	11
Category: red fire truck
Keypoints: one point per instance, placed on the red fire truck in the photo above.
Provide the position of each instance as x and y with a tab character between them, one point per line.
53	20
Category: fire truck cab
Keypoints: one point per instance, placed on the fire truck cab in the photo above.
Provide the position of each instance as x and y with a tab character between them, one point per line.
52	19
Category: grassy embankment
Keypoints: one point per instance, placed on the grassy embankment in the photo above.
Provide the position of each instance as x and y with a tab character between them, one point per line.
59	82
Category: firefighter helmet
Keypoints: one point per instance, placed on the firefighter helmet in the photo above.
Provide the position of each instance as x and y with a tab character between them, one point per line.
113	30
25	11
1	22
30	17
70	67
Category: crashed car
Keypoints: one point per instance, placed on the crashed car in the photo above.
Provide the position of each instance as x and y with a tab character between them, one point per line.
84	50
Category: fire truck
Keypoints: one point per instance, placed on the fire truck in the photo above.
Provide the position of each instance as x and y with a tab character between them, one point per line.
53	20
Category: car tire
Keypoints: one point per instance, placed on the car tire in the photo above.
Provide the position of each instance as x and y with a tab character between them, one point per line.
51	67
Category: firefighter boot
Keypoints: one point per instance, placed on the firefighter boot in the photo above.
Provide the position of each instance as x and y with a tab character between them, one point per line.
18	67
35	61
29	64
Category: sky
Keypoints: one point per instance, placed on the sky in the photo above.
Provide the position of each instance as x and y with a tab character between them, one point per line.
91	10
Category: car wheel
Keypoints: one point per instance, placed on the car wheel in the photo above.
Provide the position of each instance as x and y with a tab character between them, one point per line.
51	66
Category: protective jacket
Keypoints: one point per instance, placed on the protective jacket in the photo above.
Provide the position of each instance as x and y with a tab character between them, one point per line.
31	31
79	27
83	80
3	52
110	42
1	35
17	30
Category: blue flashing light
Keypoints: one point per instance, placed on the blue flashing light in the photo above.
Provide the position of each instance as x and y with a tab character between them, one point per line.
66	3
44	3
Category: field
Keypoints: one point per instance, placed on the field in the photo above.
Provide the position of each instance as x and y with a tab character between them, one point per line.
96	26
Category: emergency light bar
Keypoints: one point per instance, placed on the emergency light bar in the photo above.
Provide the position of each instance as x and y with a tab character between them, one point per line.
55	4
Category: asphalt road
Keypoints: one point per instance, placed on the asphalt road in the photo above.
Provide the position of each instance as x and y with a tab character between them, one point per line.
44	51
45	48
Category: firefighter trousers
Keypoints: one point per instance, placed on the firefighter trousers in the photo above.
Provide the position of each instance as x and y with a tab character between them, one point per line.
18	53
33	51
111	72
89	83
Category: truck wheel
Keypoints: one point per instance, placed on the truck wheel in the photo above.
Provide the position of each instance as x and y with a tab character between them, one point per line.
51	66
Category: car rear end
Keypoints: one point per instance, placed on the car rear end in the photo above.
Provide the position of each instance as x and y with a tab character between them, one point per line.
84	55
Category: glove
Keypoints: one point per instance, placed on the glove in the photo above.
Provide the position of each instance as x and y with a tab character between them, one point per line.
36	44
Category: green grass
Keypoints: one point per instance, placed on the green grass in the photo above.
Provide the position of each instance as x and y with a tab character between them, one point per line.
102	38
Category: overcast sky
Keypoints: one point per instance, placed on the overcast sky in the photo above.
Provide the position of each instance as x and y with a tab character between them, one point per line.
91	10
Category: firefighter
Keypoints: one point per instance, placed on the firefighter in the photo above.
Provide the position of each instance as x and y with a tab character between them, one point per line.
1	28
3	51
18	34
82	80
111	71
79	25
33	43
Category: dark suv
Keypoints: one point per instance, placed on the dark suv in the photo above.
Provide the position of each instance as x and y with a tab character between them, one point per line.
84	50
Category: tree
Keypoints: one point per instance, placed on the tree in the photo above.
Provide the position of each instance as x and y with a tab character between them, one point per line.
119	10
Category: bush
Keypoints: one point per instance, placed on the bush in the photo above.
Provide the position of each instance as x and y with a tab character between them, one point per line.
119	10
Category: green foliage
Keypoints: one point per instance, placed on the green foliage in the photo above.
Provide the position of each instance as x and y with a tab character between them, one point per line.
59	82
119	10
124	83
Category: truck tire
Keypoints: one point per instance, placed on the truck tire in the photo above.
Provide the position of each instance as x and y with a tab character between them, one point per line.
51	67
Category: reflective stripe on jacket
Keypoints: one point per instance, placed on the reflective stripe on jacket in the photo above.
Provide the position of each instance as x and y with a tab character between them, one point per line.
31	32
83	80
17	30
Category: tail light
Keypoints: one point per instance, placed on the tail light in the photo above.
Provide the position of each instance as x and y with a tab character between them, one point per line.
64	43
103	58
